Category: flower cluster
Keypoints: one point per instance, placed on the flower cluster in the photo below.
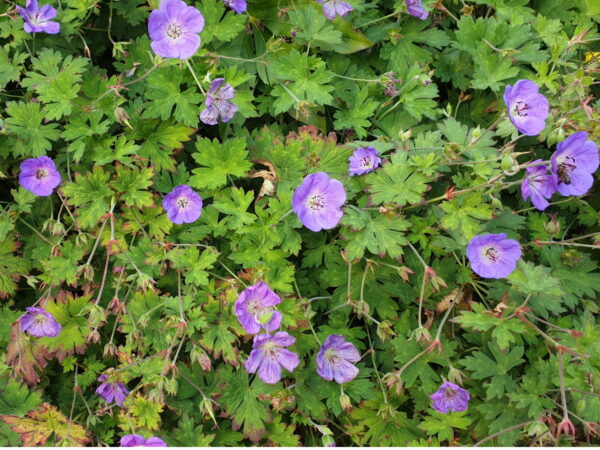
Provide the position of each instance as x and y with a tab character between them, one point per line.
254	309
573	162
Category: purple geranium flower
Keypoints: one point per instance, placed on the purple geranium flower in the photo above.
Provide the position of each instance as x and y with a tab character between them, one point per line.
254	309
415	9
526	108
39	323
174	29
450	397
112	391
37	20
218	103
182	205
135	440
268	355
39	175
539	184
332	8
318	201
364	160
574	162
335	358
239	6
493	255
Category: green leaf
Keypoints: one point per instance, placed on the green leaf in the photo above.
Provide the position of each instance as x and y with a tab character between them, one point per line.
71	314
56	80
465	214
397	182
503	331
240	401
219	23
219	161
90	193
164	92
442	425
379	235
193	263
314	28
10	69
304	78
16	399
360	108
25	121
11	267
134	184
146	413
235	208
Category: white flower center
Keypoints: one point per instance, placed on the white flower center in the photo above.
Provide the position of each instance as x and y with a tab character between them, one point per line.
490	253
41	174
316	202
366	162
182	202
331	356
520	109
174	31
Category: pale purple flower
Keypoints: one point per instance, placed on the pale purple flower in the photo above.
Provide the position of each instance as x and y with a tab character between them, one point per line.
39	175
335	358
364	160
450	397
333	8
269	355
415	9
538	184
174	29
318	201
254	309
493	255
526	108
218	103
239	6
574	162
39	323
182	205
112	391
37	20
135	440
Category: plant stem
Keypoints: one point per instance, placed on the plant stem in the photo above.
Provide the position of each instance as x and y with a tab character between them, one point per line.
506	430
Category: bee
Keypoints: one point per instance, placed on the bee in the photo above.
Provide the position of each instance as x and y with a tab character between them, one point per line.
563	174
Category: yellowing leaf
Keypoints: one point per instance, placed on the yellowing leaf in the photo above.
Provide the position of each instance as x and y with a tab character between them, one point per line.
39	426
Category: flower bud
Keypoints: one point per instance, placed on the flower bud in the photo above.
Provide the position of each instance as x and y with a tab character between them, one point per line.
328	441
509	165
552	227
207	407
571	257
385	331
110	349
346	403
455	376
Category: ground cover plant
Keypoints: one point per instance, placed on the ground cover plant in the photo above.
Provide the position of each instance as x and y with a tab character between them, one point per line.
299	223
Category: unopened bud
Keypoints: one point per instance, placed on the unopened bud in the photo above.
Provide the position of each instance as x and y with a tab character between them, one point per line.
552	227
110	349
385	331
328	441
455	376
207	407
571	257
93	337
509	165
87	271
198	355
346	403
